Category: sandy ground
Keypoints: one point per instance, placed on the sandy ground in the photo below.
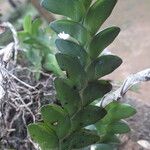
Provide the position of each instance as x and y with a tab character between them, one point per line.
133	43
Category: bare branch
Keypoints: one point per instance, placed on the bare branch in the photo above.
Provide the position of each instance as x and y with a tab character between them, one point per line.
15	37
141	76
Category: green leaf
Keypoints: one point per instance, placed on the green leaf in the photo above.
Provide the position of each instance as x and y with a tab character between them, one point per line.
119	127
95	90
83	138
35	26
86	3
43	135
57	119
27	24
102	66
101	127
110	139
34	56
74	70
98	13
70	8
73	49
117	111
102	40
106	64
87	116
22	35
51	64
72	28
52	113
68	96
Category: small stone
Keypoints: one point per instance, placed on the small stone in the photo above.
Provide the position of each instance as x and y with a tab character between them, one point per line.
144	144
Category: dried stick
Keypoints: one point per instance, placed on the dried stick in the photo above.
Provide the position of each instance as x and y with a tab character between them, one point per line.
141	76
13	76
15	37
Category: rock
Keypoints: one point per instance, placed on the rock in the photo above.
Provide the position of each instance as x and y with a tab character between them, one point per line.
144	144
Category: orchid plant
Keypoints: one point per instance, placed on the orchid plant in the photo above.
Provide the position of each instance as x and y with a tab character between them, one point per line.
38	47
77	123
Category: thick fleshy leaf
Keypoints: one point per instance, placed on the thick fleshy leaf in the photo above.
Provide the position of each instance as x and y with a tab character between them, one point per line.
80	140
75	10
68	96
95	90
98	13
102	40
43	135
102	66
27	24
74	70
107	64
73	49
52	114
36	25
57	119
83	138
101	127
110	139
87	116
119	127
72	28
51	64
86	3
117	111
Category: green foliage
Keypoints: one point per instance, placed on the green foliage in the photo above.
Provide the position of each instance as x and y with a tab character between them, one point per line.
83	138
102	40
75	10
98	13
112	123
77	123
70	98
42	133
74	29
38	49
72	49
86	3
57	119
74	70
87	116
117	111
102	66
95	90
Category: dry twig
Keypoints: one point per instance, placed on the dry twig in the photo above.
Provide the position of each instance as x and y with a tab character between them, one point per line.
142	76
